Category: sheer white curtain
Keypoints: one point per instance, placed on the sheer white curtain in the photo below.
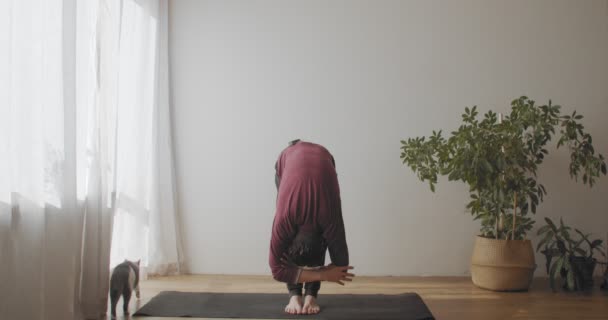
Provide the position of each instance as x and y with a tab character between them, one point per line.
84	138
145	222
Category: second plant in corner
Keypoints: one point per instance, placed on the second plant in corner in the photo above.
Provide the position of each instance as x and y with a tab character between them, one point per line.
566	253
498	159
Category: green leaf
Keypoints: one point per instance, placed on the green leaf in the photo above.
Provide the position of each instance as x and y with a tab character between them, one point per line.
501	196
544	240
543	229
487	165
565	233
561	246
551	225
554	268
570	279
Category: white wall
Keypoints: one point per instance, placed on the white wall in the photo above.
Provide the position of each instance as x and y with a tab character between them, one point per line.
358	76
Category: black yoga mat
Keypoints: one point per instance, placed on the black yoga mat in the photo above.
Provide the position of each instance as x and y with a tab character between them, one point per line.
407	306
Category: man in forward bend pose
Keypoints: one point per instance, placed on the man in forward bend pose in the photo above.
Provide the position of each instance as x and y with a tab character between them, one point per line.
308	221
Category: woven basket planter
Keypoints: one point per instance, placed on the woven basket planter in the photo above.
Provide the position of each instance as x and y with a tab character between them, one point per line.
502	265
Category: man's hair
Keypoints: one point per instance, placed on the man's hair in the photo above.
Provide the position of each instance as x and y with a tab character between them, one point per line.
307	248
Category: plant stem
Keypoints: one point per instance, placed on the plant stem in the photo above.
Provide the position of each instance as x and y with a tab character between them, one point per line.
497	221
514	214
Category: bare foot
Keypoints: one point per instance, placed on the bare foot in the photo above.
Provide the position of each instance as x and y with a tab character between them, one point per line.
310	305
294	306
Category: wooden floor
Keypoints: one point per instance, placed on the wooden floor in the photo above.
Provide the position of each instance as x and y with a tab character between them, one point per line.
447	297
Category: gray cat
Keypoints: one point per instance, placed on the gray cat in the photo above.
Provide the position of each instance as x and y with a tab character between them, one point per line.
125	279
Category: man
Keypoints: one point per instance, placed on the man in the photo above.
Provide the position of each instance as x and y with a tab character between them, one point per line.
307	222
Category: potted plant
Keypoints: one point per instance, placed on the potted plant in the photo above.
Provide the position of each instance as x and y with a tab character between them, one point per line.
498	159
566	253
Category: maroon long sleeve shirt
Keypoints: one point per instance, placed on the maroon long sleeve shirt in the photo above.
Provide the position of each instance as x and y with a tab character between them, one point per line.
308	197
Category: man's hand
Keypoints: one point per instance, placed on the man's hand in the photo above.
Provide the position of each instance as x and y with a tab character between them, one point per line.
331	272
337	274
